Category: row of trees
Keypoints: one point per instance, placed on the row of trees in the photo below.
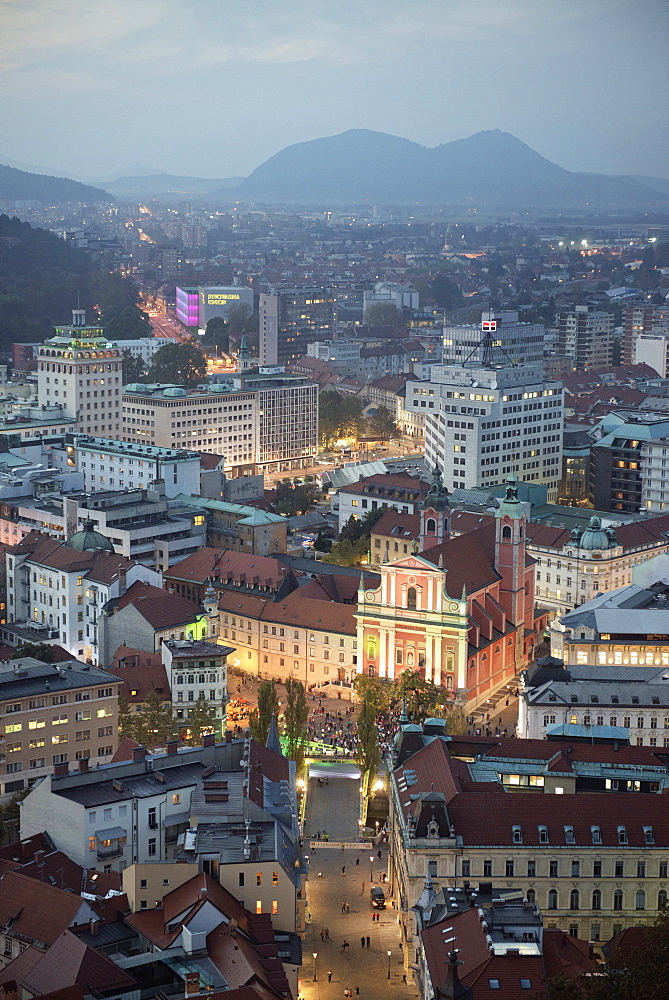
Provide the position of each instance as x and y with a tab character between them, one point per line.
292	724
154	723
183	364
352	546
297	497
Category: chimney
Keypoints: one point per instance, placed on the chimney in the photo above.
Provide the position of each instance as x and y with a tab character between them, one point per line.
172	747
94	927
208	740
83	764
192	983
138	753
59	770
39	858
228	736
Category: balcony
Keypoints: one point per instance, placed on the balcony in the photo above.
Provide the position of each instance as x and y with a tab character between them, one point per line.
106	853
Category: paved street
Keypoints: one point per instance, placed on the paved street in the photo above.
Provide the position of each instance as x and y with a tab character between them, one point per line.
336	806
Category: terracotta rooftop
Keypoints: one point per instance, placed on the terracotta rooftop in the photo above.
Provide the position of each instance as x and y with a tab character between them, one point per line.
223	566
296	611
160	608
68	961
35	910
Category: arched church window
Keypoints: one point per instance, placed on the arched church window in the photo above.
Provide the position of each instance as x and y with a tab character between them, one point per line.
411	596
430	526
506	531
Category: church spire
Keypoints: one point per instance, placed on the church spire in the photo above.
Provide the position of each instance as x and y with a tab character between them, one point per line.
435	514
273	742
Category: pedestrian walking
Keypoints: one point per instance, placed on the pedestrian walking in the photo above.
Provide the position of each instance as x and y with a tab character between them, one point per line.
327	933
343	906
357	991
363	887
322	935
367	940
357	862
362	942
348	908
343	869
342	848
330	975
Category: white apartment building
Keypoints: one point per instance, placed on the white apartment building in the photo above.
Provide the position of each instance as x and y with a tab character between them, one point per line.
106	463
80	370
145	347
485	423
197	669
655	475
63	587
653	349
391	293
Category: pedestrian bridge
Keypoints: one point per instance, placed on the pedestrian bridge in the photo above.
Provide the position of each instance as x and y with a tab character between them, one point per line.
334	769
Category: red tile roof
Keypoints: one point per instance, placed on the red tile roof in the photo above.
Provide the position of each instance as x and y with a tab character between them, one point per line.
565	955
160	608
469	560
295	611
39	912
69	960
224	565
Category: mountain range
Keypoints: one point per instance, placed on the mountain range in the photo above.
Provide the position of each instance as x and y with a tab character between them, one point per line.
491	170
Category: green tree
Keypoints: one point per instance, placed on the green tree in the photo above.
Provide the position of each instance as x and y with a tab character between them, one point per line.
456	721
297	498
322	544
156	721
295	721
382	424
383	314
369	753
338	417
39	651
134	368
237	318
128	721
260	718
422	698
376	689
129	323
640	973
216	334
202	719
446	292
346	553
361	527
179	364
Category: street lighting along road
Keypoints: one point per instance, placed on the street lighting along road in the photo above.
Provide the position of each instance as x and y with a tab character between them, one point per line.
371	866
389	954
315	954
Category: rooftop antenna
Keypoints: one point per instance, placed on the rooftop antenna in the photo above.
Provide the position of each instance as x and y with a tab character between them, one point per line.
487	345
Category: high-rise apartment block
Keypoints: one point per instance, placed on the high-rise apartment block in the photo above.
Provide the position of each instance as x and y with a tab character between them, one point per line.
642	319
520	343
487	422
80	370
586	336
292	318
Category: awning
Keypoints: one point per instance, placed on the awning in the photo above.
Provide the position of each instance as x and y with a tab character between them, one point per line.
177	819
113	833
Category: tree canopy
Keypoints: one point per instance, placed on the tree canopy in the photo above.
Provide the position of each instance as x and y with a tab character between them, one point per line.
338	417
382	424
216	334
260	718
295	721
384	314
134	368
180	364
296	498
369	753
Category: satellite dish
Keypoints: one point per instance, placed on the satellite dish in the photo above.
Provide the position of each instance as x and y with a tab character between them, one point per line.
475	385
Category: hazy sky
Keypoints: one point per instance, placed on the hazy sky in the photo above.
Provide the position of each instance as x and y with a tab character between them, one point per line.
214	87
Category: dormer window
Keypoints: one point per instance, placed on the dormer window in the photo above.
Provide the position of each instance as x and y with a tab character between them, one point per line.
517	834
594	699
596	834
543	834
648	835
622	835
569	835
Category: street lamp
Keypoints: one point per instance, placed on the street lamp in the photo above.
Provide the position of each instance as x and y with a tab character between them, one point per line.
389	965
371	872
315	954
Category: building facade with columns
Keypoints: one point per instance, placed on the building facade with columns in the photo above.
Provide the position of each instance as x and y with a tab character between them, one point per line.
461	610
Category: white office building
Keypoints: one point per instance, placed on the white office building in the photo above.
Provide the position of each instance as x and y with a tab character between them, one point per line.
80	370
485	423
520	343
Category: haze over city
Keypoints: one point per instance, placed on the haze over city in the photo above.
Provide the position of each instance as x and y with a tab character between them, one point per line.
214	88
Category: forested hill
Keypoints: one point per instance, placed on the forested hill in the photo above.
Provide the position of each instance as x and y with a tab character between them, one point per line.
19	185
42	278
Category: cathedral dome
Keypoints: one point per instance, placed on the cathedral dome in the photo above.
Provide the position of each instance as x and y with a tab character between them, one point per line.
89	540
594	536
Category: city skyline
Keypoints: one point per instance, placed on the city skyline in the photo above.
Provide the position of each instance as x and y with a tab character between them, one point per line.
213	90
